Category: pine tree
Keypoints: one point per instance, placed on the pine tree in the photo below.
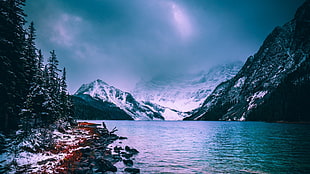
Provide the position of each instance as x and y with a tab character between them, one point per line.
40	60
12	61
31	93
31	64
63	94
53	88
67	105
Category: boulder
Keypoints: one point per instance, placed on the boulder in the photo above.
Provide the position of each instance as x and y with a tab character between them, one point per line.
117	149
128	162
131	150
132	170
127	155
105	165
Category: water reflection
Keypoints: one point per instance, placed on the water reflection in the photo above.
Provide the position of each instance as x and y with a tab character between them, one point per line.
217	147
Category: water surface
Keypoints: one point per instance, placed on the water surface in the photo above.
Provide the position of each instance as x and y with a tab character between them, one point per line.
216	147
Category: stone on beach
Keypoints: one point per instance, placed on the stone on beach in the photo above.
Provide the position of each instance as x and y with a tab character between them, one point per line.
128	162
132	170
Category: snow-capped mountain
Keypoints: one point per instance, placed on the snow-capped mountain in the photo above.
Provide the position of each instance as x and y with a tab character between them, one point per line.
272	83
167	98
101	91
184	93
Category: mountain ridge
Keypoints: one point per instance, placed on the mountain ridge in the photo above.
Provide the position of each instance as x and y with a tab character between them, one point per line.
101	91
184	92
283	52
97	96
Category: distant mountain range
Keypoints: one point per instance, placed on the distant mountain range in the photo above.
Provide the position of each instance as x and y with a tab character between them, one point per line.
164	99
184	92
272	85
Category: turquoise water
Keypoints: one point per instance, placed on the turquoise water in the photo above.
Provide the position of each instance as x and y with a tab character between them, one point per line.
216	147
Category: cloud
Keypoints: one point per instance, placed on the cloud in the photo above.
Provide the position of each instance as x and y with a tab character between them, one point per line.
65	29
181	21
121	42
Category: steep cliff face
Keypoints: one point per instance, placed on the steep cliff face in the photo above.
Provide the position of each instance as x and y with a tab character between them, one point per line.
282	61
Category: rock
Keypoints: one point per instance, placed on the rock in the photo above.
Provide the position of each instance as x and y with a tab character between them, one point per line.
122	138
113	137
131	150
134	151
86	150
61	129
76	163
117	158
107	152
128	162
132	170
45	161
127	155
82	170
84	164
86	170
105	165
127	148
117	149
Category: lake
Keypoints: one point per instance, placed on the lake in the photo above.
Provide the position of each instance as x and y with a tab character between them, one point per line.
215	147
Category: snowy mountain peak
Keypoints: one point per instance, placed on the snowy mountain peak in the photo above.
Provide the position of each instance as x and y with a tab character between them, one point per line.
100	90
166	97
184	92
91	86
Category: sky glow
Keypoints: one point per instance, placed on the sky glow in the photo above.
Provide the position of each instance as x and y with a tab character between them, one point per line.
181	21
122	42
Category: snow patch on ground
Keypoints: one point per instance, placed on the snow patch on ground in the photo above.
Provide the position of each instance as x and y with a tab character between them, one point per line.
18	158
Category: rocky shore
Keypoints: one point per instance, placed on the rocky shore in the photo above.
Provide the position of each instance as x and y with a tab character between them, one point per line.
84	149
94	156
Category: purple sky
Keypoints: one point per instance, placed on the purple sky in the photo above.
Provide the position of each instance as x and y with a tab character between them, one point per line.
121	43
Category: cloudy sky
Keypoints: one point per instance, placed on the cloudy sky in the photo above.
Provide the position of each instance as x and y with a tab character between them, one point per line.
122	41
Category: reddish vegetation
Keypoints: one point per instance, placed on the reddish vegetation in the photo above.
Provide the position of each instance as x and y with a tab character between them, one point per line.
70	163
84	149
85	123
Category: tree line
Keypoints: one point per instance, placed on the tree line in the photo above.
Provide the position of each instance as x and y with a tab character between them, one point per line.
32	93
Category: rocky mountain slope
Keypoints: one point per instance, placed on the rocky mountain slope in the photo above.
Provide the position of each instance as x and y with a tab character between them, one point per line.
184	92
111	103
273	84
89	108
166	98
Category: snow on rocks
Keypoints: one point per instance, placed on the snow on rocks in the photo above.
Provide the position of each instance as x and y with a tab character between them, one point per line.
252	99
83	149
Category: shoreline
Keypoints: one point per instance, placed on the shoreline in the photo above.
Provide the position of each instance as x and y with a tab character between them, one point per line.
95	156
291	122
82	149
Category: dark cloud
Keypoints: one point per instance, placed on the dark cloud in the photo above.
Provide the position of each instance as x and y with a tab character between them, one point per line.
121	42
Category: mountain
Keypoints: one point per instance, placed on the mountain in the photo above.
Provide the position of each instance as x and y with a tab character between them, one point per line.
110	103
273	84
182	93
165	98
89	108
